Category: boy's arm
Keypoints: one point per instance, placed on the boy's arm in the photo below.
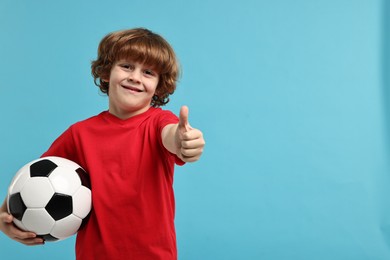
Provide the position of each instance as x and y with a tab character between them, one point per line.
9	229
183	140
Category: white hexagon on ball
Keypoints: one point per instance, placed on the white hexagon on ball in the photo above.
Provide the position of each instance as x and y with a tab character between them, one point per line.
66	163
19	224
19	180
80	199
66	227
38	221
42	190
65	181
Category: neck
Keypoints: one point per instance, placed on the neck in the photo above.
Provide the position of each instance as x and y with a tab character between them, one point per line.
126	114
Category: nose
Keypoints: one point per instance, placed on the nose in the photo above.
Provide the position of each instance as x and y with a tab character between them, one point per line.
134	76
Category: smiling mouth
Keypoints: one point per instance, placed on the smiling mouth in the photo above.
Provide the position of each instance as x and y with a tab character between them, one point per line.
131	88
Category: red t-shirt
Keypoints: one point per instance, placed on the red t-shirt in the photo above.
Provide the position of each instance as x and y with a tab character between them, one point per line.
131	177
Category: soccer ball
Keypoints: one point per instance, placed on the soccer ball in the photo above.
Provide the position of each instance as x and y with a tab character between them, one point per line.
51	197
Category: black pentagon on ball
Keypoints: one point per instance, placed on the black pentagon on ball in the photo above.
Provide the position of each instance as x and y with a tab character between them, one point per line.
17	206
84	178
42	168
48	237
59	206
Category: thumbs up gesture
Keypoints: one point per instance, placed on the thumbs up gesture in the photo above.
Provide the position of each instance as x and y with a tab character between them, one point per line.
189	141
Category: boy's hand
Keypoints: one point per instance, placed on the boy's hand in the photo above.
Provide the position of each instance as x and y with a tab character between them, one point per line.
189	141
8	228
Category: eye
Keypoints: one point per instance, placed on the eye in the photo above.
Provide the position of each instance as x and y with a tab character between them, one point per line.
127	66
150	72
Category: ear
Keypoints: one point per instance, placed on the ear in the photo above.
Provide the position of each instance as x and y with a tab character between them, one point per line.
105	77
157	91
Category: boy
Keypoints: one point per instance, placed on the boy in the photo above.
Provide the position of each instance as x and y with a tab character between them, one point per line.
129	152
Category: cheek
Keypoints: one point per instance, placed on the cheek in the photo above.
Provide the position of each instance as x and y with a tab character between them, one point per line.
152	86
156	84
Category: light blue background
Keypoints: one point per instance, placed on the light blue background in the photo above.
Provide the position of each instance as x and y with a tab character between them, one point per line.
292	97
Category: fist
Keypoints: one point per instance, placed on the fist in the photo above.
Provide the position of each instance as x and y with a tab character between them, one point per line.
189	141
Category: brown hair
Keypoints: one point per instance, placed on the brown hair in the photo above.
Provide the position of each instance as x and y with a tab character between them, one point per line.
138	45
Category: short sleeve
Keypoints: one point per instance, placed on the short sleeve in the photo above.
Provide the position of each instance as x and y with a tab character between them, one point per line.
165	118
63	146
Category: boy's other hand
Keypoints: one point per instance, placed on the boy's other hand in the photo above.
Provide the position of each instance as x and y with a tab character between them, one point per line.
8	228
189	141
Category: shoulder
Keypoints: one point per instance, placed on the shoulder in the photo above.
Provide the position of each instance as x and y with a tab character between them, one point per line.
161	118
87	123
91	120
161	114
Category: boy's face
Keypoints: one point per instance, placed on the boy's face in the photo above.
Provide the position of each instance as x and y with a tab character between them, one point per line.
131	88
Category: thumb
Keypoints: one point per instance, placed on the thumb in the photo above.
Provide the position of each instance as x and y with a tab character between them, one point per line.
183	118
7	218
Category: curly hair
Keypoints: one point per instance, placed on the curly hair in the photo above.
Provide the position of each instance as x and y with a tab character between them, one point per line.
138	45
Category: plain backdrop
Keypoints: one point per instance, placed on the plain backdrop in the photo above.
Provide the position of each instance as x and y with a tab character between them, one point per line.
292	97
